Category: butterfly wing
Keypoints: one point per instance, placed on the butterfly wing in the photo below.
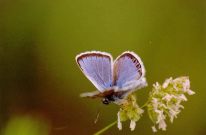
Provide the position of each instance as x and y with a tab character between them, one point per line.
129	72
97	67
97	94
92	94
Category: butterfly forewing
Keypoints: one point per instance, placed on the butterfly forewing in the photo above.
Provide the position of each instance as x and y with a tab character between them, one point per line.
97	67
128	69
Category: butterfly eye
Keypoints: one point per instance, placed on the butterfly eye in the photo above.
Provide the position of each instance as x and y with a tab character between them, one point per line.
105	101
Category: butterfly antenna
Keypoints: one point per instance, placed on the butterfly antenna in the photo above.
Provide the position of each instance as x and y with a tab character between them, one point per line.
97	114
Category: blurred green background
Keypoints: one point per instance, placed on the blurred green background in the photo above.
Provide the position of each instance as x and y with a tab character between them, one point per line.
40	82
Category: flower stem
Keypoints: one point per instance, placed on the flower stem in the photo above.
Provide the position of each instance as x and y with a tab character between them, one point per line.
106	128
145	104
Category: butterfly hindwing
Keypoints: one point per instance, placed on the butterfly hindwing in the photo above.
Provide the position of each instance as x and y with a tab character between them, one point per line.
97	94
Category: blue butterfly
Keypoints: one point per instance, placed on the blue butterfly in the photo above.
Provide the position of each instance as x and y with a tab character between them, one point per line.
114	80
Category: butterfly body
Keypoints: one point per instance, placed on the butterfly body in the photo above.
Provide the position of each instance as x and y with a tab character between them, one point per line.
112	96
114	80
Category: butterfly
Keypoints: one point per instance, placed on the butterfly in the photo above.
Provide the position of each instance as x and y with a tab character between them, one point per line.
114	80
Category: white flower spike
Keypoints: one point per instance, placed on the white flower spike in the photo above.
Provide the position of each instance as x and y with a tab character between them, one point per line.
129	110
165	100
119	123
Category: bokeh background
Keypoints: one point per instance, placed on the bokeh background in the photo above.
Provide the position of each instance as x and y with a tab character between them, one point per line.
40	82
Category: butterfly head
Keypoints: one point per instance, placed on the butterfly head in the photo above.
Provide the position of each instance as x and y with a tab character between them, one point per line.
105	101
108	99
